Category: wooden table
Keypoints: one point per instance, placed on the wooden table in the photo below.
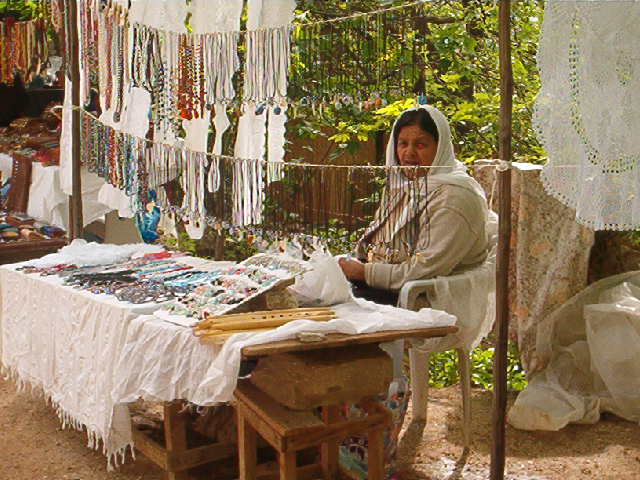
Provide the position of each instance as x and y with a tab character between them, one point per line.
336	340
22	250
176	458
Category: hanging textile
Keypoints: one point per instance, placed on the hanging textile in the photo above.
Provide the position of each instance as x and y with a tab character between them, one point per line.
220	63
550	258
588	110
262	125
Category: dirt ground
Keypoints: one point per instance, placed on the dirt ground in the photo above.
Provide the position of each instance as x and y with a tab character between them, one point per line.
33	446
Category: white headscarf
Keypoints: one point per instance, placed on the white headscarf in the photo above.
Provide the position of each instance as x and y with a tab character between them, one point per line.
450	171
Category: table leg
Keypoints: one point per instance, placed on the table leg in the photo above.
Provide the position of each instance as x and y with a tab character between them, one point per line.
329	450
247	447
375	454
288	466
175	434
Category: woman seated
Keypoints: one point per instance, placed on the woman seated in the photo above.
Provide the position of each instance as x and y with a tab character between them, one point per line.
432	220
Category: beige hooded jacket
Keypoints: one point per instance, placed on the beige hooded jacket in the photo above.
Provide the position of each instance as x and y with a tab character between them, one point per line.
451	222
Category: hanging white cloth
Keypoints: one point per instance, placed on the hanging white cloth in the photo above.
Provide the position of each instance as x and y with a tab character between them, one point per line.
255	135
209	17
593	341
219	16
161	14
92	209
588	110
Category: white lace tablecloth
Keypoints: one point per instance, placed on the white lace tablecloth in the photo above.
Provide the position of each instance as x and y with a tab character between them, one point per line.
90	354
587	112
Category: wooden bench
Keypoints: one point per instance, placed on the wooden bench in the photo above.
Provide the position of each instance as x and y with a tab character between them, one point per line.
289	431
175	457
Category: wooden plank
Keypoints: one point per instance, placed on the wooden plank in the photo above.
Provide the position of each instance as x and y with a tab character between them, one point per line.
151	449
281	420
288	466
504	239
265	430
175	434
307	472
307	380
75	203
338	431
12	252
329	450
32	245
194	457
247	447
334	340
175	461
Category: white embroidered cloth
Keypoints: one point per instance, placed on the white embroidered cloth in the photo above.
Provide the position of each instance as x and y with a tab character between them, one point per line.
588	110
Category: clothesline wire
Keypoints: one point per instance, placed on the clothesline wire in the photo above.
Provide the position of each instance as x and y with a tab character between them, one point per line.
361	14
488	163
264	161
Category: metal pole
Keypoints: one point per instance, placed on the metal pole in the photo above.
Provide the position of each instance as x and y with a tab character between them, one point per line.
73	64
504	239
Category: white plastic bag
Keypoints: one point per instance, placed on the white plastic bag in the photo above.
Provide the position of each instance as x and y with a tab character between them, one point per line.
324	285
595	361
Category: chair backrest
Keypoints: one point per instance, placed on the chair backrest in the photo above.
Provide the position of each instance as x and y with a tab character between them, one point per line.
470	296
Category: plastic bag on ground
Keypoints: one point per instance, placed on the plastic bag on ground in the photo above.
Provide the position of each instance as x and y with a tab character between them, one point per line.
595	362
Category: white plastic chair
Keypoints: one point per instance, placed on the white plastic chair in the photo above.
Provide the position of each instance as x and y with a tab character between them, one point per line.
470	296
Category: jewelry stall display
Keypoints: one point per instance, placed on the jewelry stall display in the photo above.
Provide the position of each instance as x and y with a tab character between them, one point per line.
274	261
339	62
23	48
233	288
288	206
160	277
186	74
152	278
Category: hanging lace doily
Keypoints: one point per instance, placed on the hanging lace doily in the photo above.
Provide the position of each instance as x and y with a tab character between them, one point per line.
587	113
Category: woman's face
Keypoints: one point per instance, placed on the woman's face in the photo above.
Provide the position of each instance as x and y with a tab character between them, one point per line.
415	148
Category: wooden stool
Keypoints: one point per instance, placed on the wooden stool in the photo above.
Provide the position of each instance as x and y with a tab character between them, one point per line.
289	431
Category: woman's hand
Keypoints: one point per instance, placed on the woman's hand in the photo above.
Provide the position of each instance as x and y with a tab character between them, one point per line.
353	269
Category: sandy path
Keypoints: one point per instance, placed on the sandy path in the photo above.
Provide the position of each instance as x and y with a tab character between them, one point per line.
33	446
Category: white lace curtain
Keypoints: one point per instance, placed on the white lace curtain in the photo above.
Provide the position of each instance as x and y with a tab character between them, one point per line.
588	111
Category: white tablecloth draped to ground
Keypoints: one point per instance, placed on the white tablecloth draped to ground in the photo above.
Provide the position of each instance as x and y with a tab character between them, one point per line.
65	343
90	354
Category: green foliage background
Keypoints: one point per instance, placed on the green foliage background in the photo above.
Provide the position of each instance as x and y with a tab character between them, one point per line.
20	9
461	77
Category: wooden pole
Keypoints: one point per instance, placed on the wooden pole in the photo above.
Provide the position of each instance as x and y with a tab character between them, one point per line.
75	201
504	240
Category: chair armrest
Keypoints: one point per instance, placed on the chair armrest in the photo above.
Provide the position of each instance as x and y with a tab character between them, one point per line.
411	290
